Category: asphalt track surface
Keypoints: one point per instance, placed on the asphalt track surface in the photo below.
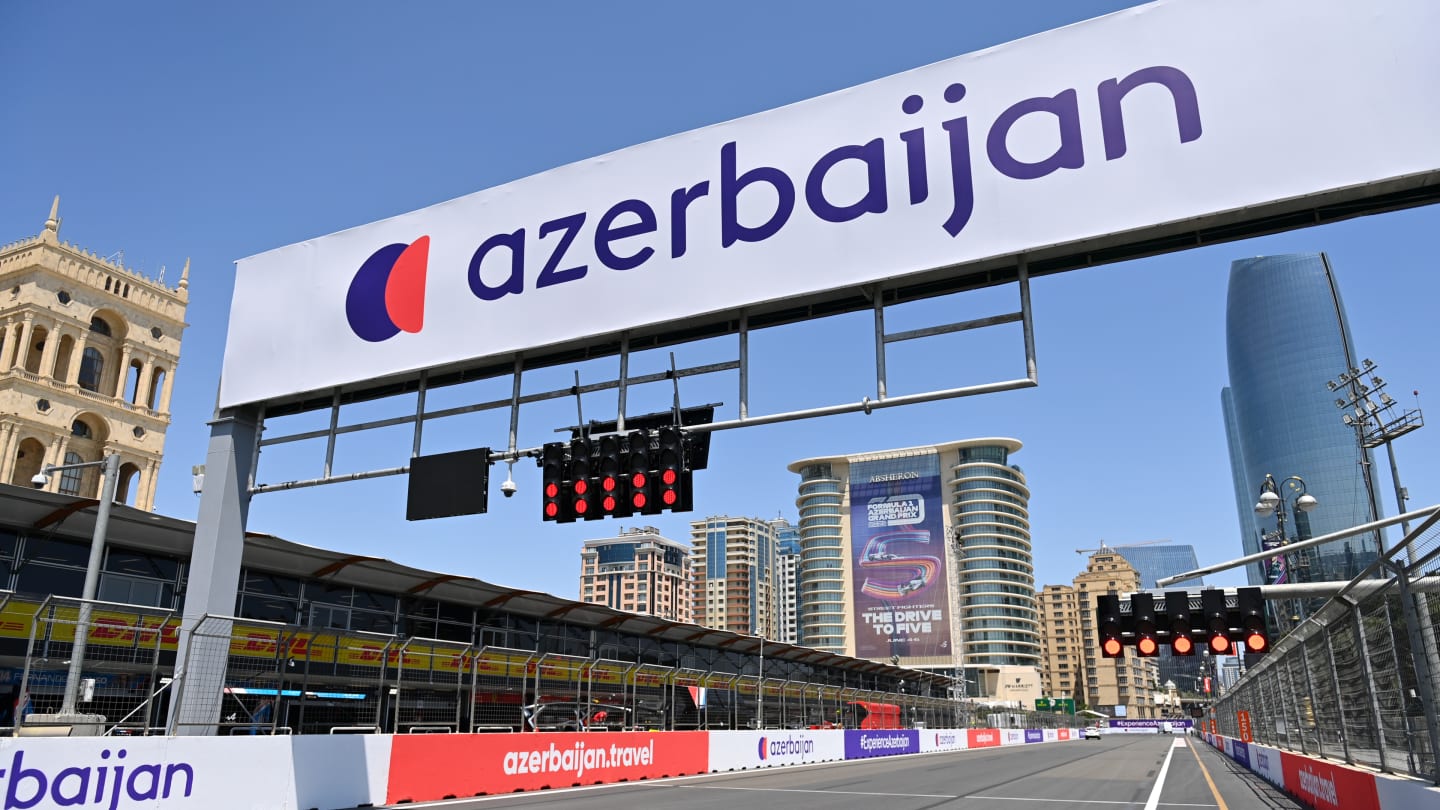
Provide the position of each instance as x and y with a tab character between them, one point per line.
1115	772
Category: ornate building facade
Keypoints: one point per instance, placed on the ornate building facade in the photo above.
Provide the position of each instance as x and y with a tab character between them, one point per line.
88	350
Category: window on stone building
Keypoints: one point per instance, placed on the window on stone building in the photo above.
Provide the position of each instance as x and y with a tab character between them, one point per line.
70	479
92	365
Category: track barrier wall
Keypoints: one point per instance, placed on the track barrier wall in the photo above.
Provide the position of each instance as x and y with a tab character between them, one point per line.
1328	785
329	772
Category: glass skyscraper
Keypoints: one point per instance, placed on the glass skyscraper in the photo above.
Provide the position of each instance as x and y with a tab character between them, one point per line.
1154	562
1286	336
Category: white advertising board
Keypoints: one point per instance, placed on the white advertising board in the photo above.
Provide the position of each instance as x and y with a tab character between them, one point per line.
1266	762
121	772
740	750
943	739
1012	736
1166	113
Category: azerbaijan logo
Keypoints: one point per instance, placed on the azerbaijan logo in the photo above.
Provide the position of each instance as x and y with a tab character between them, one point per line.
387	295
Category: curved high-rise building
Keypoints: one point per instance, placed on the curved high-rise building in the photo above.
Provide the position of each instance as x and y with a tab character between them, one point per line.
1286	337
922	554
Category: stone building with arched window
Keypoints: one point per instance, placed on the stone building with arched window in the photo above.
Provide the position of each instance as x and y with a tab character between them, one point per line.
88	350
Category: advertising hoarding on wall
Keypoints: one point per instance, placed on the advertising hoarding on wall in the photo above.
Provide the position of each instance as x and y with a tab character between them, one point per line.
1116	131
897	558
426	767
739	750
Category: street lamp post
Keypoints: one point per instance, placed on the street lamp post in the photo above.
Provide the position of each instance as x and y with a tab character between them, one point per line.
1273	501
110	472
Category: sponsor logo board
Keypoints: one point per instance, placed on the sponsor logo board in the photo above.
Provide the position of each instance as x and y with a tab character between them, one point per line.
1240	752
426	767
983	737
737	750
943	739
862	744
1266	762
1113	125
108	773
1329	787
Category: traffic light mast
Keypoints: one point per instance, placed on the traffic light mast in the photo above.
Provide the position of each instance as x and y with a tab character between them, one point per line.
1224	623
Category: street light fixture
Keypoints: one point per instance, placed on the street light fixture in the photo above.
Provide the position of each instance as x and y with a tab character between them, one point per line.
110	472
1272	501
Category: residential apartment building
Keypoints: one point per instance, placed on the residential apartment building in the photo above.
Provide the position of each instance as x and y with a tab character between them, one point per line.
1062	663
787	538
1127	686
88	350
638	571
737	583
922	555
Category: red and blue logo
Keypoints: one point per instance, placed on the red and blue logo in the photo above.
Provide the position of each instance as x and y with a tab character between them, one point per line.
764	746
387	295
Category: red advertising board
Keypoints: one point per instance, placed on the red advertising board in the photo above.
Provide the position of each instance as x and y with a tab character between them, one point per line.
1329	787
426	767
983	737
1243	720
1062	733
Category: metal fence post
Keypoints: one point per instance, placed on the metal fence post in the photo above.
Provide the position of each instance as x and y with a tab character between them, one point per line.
1314	704
1339	703
1423	674
1369	668
1295	703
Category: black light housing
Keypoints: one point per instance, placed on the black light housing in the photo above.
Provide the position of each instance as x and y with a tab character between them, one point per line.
1107	621
554	488
1142	614
1177	612
1253	632
1217	620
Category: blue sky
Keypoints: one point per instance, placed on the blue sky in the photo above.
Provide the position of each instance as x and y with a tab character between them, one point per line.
175	130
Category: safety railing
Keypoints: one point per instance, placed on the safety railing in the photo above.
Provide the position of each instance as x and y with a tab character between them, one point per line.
267	678
1356	680
125	656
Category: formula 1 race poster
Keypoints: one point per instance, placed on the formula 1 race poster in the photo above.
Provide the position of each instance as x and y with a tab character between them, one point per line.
898	558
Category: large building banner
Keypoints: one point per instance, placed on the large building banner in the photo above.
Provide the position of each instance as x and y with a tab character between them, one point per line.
897	534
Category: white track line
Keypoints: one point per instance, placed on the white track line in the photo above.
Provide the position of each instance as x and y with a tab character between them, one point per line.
1154	800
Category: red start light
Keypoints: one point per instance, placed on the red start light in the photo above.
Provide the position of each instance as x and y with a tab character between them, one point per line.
581	487
608	483
1183	645
1219	645
1113	646
609	503
668	477
638	480
552	489
1147	646
552	509
669	497
1256	642
581	507
638	500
